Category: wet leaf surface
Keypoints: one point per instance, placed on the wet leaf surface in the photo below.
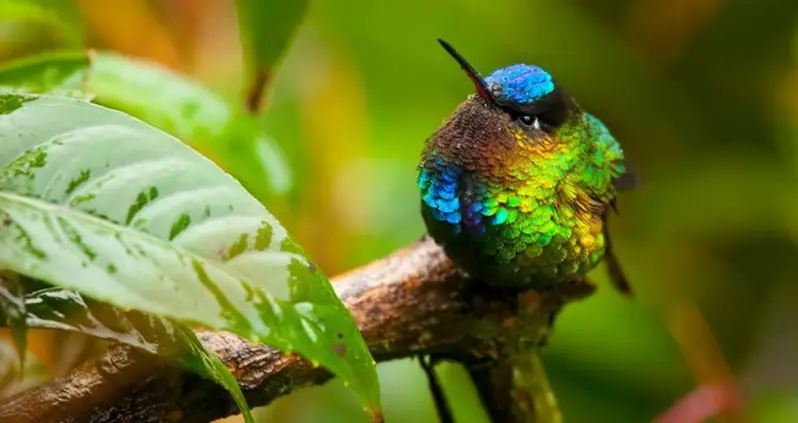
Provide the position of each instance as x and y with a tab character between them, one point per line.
101	203
62	309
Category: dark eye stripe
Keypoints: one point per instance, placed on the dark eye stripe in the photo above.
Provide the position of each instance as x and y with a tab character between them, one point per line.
551	110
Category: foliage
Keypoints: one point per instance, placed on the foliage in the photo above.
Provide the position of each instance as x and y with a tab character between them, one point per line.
194	114
14	313
140	236
700	94
32	13
62	309
60	73
263	49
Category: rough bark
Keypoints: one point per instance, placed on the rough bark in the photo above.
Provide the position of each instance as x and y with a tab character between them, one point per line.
413	302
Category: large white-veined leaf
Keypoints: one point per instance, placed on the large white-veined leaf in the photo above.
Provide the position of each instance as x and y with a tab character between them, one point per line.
99	202
164	99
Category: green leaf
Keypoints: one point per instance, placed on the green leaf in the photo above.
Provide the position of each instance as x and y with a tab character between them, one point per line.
98	202
12	306
62	73
28	12
25	11
58	308
266	28
194	114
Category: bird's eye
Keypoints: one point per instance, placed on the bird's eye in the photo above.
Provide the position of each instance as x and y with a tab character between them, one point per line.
528	121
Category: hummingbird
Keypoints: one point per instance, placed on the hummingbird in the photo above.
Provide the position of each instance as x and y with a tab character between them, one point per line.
517	183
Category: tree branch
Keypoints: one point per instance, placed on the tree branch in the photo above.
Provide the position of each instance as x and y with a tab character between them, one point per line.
411	302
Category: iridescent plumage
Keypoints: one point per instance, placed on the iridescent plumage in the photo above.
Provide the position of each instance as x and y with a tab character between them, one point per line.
516	184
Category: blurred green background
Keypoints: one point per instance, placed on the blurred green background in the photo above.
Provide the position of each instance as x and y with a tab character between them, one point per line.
702	94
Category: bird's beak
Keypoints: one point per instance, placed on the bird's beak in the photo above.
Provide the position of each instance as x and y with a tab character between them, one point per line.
479	82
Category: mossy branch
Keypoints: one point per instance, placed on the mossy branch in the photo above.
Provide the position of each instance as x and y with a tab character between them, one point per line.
412	302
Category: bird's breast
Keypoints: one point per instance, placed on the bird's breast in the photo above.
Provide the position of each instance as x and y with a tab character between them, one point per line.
522	234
